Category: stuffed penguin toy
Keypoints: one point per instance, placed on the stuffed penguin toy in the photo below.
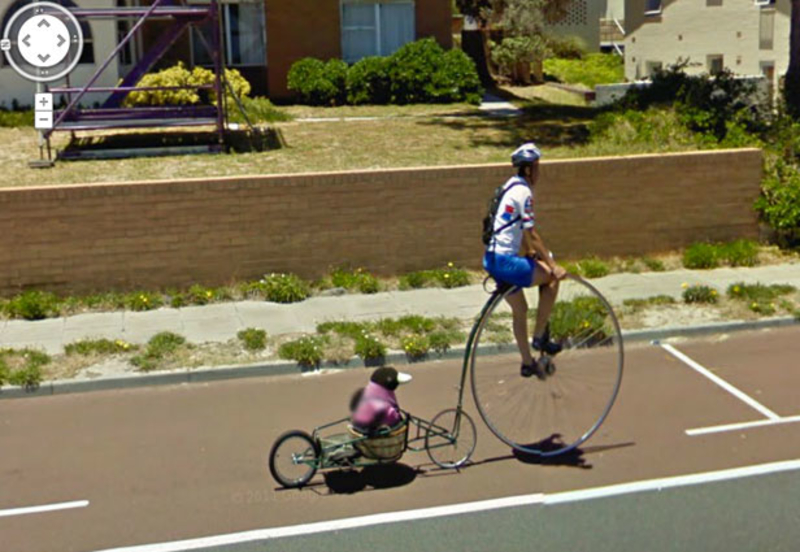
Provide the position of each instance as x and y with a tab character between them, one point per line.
376	405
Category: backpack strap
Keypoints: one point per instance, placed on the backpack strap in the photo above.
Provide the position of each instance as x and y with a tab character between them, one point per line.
494	215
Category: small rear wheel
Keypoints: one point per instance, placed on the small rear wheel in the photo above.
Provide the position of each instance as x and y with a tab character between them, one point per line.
294	459
451	438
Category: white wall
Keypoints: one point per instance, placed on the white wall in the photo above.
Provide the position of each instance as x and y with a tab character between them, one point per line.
14	87
690	29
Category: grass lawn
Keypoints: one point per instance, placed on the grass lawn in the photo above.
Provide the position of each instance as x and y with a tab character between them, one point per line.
424	135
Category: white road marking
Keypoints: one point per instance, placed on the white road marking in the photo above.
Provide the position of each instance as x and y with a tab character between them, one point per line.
470	507
744	397
742	425
46	508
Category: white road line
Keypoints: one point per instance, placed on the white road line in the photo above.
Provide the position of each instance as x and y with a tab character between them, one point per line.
747	399
46	508
470	507
742	425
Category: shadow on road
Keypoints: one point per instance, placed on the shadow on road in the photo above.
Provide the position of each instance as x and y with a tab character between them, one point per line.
370	478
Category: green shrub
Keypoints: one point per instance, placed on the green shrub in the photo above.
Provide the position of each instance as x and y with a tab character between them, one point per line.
199	295
253	339
158	348
87	347
590	268
143	301
357	279
259	110
779	203
415	346
654	264
414	280
422	72
417	324
591	70
582	318
319	83
758	292
353	330
441	340
700	294
701	256
179	75
283	288
368	82
16	119
740	253
452	277
22	367
569	47
370	348
32	305
640	131
513	50
306	351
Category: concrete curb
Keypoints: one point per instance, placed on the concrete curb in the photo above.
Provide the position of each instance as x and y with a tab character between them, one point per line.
61	387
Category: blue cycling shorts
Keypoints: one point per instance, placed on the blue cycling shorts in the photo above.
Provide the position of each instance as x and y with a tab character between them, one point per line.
510	269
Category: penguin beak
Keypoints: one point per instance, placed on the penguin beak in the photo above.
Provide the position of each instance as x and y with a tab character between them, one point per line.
402	378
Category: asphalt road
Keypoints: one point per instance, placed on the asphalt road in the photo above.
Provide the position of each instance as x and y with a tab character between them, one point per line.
182	462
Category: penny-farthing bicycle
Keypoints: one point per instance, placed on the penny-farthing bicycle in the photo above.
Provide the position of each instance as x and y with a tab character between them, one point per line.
556	412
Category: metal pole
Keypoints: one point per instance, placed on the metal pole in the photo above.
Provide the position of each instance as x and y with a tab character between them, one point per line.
218	69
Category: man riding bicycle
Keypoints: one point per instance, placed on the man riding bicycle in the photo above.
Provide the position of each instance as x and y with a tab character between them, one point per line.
516	255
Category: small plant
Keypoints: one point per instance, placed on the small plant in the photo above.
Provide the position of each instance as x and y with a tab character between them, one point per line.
283	288
700	294
357	279
582	318
159	347
764	309
33	305
415	346
199	295
417	324
441	340
370	348
701	255
414	280
306	351
353	330
143	301
86	347
253	339
452	277
758	292
22	367
740	253
654	264
657	300
593	268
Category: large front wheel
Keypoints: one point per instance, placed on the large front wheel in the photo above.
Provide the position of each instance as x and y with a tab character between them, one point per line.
561	407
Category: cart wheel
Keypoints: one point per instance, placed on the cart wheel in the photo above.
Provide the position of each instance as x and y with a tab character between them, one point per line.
294	459
549	366
451	438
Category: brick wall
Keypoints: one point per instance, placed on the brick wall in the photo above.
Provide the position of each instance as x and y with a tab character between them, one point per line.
160	234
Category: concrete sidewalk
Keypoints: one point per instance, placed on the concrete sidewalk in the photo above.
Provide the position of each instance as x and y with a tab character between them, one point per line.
221	322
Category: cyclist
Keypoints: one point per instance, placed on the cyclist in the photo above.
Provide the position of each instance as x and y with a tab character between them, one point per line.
517	255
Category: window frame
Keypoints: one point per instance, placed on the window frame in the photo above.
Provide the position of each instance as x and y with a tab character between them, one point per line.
227	33
651	12
377	28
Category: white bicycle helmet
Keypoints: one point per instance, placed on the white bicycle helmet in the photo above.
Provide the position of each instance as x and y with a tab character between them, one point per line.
526	154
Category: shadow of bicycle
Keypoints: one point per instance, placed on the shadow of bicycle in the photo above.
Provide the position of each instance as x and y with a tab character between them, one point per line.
370	478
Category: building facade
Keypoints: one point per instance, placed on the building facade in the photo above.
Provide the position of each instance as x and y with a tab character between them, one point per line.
748	37
261	38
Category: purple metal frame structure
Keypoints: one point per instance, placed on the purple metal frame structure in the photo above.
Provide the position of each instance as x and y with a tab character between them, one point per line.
113	114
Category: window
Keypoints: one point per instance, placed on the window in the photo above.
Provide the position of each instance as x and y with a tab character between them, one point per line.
765	2
713	3
651	67
375	29
244	36
88	41
716	64
652	7
766	30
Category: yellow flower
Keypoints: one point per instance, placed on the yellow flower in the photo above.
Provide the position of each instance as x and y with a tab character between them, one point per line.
736	289
209	294
446	275
713	292
754	305
684	285
450	265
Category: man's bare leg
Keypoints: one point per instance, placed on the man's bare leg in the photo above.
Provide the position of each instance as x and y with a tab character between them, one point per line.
548	292
519	309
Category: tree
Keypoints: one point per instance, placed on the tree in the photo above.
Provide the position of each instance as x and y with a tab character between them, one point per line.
792	84
523	21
